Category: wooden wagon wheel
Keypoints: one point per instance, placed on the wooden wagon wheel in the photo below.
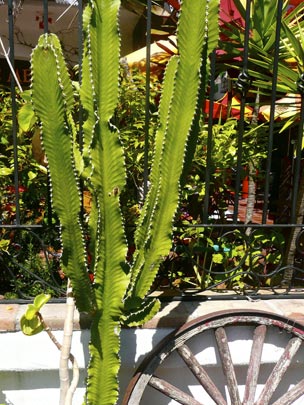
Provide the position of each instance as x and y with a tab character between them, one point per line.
262	332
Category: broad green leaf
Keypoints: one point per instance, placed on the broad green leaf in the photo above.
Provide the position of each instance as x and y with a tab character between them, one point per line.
30	322
217	258
295	47
32	175
41	300
31	326
4	244
26	117
31	312
6	171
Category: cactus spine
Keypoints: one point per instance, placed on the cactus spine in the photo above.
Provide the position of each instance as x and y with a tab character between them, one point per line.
118	294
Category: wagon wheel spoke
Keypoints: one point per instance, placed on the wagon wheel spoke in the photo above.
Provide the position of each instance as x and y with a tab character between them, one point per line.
201	374
172	392
254	364
228	368
291	395
279	370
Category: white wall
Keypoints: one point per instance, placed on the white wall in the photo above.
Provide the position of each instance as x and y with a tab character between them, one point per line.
29	365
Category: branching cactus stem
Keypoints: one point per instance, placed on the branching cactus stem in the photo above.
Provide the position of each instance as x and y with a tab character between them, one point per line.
119	293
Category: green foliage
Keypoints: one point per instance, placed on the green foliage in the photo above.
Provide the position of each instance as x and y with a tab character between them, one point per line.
29	267
208	258
31	174
223	162
31	321
262	47
20	252
130	119
5	118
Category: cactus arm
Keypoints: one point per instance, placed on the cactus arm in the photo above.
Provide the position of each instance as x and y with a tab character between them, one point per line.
195	21
144	224
142	313
47	62
88	100
106	179
144	227
87	96
209	46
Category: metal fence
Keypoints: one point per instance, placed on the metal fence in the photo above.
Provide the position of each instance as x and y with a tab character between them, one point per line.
239	228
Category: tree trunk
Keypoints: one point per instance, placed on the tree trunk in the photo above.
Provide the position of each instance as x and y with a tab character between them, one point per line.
252	171
291	244
251	193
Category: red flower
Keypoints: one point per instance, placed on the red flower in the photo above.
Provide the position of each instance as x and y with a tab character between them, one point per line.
11	189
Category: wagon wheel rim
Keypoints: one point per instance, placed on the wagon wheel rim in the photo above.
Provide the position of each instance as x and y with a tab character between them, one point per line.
218	322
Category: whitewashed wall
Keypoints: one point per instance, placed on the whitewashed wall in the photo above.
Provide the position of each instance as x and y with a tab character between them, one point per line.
29	365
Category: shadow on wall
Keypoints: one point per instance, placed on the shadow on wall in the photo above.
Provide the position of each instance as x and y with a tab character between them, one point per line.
34	388
138	343
2	396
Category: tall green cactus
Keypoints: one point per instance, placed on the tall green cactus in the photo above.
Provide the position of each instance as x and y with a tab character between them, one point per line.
118	294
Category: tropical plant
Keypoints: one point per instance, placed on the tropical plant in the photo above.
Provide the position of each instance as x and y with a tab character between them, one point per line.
32	187
259	71
118	294
289	83
261	50
24	268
